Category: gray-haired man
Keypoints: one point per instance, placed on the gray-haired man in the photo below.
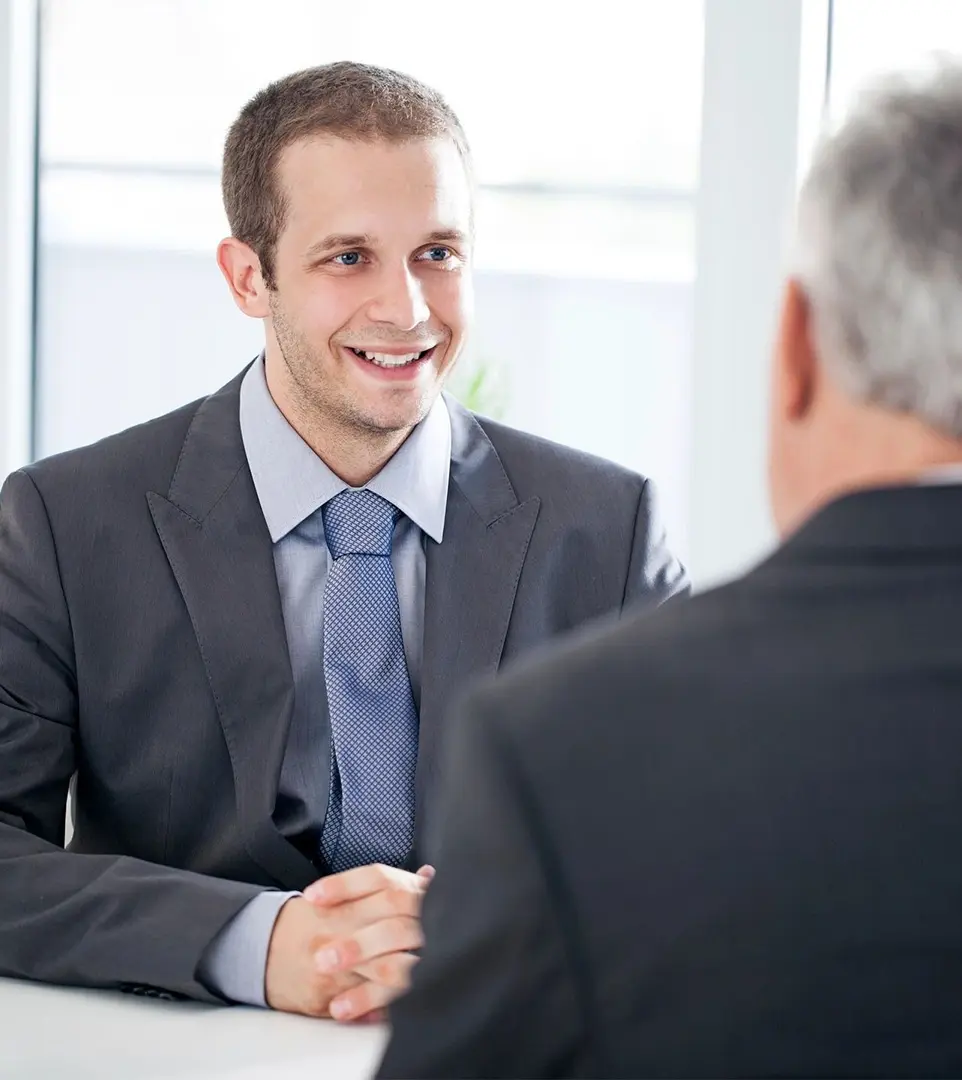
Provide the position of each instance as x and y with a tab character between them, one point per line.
737	851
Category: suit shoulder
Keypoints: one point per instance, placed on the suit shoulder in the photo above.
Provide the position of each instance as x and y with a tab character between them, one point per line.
608	671
144	455
528	457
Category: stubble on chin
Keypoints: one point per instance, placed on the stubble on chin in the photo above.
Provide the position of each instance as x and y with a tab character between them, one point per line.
324	403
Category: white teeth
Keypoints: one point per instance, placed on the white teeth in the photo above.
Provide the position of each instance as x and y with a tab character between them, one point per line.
387	360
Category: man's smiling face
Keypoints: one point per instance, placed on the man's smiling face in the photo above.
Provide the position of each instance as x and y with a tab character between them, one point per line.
372	295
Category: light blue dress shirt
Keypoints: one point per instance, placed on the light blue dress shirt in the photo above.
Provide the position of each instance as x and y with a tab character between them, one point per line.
292	485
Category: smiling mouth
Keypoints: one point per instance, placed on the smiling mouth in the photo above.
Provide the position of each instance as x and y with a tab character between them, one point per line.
390	360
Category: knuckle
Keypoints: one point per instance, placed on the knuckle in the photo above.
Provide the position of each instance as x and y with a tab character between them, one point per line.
350	950
385	971
391	974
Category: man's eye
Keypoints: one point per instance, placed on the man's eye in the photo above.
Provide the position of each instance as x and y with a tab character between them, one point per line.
348	258
438	254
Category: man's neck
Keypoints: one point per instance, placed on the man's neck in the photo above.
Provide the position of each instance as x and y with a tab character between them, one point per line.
352	453
878	449
355	458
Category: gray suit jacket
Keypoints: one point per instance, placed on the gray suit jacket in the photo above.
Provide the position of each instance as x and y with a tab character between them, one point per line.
143	652
762	875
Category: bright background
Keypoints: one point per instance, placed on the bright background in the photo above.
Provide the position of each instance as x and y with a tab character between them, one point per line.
637	165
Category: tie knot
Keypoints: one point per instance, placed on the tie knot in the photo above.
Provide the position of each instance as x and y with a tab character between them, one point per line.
359	523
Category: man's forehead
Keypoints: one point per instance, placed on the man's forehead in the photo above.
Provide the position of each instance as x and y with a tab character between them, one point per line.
368	196
315	154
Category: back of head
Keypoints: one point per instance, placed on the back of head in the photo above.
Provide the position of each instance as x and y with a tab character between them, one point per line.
868	365
879	247
344	100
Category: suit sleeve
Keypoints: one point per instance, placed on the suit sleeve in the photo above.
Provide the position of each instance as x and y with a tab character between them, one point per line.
82	919
494	994
654	574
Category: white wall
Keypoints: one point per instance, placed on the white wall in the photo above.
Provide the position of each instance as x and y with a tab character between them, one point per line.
749	169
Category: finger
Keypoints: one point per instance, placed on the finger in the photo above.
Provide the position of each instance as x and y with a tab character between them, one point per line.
378	1016
398	934
392	971
362	1001
344	919
398	898
427	872
360	882
319	992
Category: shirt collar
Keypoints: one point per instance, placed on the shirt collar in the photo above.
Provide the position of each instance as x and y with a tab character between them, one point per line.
943	474
292	482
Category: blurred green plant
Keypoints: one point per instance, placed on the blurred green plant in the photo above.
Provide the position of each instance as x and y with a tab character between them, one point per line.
480	387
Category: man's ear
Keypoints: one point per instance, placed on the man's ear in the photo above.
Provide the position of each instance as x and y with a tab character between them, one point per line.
242	271
796	363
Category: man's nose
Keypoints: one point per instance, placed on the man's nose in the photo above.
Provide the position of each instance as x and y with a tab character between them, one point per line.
399	300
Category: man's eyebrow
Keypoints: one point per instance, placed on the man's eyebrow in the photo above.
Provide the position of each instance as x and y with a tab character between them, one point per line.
440	236
338	240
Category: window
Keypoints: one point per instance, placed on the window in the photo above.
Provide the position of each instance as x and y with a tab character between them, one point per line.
871	37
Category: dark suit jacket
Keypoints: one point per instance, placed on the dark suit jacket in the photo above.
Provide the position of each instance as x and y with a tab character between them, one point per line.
142	648
720	840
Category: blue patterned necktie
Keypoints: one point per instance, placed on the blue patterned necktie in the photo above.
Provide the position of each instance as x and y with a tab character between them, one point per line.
374	722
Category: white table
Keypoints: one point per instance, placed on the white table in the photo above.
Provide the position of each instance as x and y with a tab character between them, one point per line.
49	1032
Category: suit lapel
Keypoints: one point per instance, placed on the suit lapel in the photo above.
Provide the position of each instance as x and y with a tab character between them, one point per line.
472	578
216	540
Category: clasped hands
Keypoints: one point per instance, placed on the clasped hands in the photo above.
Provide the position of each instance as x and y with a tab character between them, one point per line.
347	947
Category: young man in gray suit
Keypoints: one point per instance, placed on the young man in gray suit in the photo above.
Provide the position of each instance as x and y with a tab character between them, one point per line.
724	840
239	626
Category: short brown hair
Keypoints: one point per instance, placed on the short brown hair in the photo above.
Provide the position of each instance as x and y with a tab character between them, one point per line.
347	100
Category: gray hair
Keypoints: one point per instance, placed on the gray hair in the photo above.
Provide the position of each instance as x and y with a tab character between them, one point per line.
878	247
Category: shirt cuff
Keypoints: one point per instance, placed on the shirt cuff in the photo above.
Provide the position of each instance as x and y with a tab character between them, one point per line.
235	962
